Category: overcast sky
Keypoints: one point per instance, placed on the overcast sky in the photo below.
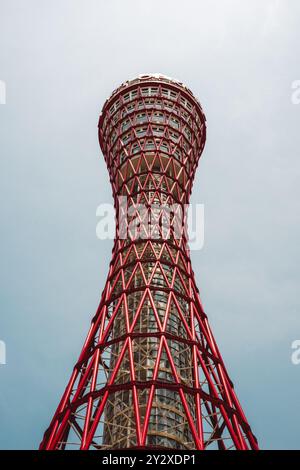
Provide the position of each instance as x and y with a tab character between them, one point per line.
60	60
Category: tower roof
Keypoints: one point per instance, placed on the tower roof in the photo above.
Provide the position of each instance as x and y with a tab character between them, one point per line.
155	78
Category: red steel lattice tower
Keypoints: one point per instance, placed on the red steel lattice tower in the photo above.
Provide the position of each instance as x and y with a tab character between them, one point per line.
150	374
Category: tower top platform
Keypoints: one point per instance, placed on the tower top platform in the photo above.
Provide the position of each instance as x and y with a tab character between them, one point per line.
155	78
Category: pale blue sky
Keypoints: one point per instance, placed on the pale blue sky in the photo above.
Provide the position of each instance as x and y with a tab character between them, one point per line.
60	60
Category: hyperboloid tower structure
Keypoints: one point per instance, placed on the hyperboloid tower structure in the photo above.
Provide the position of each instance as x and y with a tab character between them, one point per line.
150	375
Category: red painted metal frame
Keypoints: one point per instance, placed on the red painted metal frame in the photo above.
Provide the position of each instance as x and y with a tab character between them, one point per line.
212	392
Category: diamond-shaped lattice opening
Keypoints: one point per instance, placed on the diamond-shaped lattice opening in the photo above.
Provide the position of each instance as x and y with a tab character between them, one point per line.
168	424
